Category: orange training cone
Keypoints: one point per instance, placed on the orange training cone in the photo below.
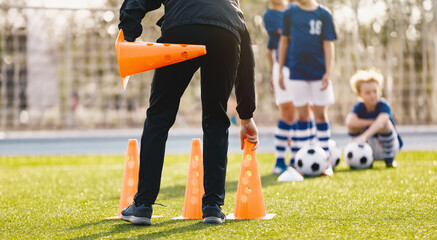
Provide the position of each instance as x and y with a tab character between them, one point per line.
136	57
194	189
130	176
129	186
250	202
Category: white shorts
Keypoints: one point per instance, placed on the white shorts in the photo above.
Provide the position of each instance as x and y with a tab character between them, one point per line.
375	144
308	92
281	96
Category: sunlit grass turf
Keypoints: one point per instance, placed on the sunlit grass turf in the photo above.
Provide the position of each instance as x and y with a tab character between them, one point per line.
69	197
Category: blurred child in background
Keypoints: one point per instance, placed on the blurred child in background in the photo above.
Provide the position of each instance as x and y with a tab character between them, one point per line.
273	24
306	46
371	119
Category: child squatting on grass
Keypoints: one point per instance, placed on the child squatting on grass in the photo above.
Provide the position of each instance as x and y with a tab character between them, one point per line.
371	119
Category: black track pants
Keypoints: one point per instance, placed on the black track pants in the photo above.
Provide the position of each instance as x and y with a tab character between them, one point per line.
218	72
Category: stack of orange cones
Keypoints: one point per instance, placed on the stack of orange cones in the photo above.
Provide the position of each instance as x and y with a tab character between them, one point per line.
249	202
136	57
129	186
194	189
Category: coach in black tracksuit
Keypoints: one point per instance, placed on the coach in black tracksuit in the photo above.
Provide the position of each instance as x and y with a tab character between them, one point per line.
219	25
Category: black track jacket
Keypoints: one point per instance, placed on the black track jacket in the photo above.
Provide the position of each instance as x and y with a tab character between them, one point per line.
221	13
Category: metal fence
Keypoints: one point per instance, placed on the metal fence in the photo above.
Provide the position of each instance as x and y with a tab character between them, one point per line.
58	68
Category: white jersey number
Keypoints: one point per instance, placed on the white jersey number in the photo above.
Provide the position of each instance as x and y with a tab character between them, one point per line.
315	27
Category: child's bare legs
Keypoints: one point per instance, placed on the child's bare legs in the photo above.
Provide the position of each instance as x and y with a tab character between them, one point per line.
287	112
320	113
354	132
303	113
387	128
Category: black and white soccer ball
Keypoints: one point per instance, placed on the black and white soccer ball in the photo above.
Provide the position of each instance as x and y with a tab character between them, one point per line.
358	155
311	160
334	153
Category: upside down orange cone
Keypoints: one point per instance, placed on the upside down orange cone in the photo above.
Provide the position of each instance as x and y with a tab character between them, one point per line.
194	189
136	57
129	185
250	202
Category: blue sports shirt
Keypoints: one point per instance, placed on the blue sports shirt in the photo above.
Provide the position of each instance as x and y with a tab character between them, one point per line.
307	31
381	107
273	23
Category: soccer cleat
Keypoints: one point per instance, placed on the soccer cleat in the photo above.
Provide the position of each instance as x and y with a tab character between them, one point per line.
291	175
279	170
390	163
212	214
138	215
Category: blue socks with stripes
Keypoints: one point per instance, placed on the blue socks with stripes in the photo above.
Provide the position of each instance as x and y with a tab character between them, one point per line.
323	135
303	134
282	134
387	142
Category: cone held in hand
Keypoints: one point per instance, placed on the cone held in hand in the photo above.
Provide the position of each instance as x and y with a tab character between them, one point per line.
249	202
136	57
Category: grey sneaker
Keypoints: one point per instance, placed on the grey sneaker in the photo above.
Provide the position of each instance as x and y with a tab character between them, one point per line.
138	215
212	214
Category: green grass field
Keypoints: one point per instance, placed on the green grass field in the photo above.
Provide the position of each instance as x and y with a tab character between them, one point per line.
70	197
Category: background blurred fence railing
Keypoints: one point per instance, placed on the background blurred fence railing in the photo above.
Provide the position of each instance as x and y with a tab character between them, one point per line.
58	68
